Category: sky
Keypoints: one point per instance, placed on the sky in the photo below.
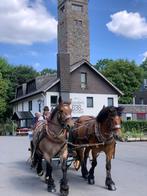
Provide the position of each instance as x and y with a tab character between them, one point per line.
28	31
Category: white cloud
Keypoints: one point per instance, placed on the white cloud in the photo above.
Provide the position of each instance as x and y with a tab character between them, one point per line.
128	24
144	56
22	22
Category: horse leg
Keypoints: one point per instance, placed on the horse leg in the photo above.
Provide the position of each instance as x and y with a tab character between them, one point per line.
109	182
39	168
50	181
64	188
93	165
84	170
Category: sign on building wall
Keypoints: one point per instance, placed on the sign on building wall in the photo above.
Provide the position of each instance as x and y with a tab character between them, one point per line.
77	106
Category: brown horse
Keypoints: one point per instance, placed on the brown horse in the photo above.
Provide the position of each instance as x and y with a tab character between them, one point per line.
98	135
50	140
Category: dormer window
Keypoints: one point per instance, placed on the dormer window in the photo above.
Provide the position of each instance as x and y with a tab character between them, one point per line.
31	86
19	92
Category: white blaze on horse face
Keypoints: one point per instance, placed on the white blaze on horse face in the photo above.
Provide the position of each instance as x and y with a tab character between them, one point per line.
117	124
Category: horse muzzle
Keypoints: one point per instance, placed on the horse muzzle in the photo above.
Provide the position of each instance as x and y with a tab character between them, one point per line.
117	129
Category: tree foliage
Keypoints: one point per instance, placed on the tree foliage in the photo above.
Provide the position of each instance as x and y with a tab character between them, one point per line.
48	71
144	67
10	77
3	96
125	75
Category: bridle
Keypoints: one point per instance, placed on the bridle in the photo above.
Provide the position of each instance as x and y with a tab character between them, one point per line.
109	134
63	118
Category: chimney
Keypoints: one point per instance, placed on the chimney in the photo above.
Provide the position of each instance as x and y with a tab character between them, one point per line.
63	71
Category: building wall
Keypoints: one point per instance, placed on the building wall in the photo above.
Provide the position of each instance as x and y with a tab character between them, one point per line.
95	83
134	112
79	103
23	104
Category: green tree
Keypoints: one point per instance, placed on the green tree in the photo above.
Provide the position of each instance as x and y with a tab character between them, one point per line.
102	64
143	65
11	76
3	97
125	75
22	73
48	71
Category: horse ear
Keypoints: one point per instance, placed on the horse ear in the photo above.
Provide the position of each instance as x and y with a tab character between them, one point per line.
120	110
60	100
103	106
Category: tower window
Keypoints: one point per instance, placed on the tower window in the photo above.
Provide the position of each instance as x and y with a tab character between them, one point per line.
62	8
77	7
78	23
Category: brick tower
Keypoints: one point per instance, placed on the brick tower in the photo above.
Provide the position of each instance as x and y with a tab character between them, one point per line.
73	29
73	39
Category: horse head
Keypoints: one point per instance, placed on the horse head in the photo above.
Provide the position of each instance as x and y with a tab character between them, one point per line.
64	114
110	119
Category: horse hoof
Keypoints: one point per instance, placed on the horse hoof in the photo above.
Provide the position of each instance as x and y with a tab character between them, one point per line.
91	181
111	187
46	179
51	189
85	176
64	192
41	173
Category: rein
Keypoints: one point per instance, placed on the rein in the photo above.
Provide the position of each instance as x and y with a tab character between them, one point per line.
77	146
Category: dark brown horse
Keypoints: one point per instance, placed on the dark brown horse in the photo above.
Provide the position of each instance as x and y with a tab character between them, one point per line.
49	140
98	135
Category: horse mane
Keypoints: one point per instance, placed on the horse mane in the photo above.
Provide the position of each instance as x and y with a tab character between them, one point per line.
53	112
109	111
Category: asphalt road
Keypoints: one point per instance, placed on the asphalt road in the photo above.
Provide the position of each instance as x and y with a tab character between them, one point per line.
129	171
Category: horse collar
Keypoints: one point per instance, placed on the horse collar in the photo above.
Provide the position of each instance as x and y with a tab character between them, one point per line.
100	137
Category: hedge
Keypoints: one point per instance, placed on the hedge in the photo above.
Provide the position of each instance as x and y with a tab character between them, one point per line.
135	125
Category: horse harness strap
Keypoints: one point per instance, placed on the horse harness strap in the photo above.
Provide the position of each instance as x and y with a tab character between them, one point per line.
59	138
100	137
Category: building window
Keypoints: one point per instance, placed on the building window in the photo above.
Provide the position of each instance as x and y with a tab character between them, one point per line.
31	86
54	101
110	101
77	7
128	116
19	92
39	107
89	102
141	101
83	80
145	83
30	105
40	103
